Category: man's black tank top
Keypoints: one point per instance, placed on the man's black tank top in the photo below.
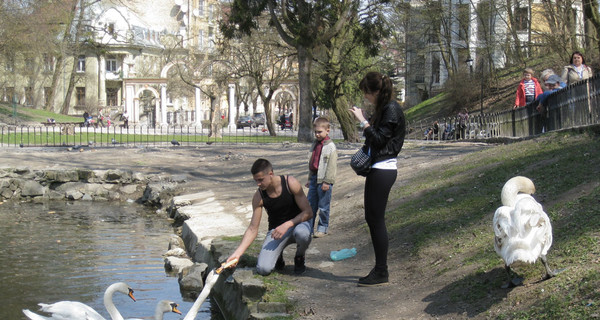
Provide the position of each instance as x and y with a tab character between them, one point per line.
282	208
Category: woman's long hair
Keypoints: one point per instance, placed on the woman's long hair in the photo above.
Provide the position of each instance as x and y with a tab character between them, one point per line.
375	82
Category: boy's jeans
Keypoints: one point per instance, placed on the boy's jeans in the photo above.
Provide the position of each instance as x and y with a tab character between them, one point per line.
319	201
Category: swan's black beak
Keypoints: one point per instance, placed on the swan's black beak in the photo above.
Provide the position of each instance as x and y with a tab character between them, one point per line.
130	294
174	308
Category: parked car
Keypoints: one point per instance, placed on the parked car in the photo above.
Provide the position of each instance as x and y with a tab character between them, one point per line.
244	121
259	119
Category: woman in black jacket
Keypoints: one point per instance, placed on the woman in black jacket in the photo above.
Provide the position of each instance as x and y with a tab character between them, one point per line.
384	134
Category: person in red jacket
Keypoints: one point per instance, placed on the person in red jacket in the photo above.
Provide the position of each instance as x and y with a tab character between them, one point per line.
529	88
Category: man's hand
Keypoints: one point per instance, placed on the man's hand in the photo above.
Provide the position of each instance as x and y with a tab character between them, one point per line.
325	186
281	230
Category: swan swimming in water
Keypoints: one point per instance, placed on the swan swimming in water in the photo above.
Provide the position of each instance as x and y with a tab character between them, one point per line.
522	229
65	310
162	307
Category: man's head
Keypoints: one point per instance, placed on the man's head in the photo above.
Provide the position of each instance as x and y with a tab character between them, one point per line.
321	128
553	82
262	173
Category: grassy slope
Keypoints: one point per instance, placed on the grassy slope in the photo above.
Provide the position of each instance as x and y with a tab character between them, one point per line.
31	115
447	221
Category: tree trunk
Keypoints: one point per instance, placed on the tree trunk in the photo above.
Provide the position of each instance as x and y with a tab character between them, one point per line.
305	101
55	76
74	51
215	116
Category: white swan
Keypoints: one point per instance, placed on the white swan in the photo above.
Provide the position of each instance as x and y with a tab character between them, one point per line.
210	281
73	310
162	307
522	229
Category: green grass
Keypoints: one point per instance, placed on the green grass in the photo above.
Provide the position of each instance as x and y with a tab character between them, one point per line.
34	115
446	212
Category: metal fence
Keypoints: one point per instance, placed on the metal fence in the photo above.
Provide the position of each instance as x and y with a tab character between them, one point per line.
574	106
78	135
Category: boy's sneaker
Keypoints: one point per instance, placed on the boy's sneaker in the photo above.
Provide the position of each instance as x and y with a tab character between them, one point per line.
299	267
374	278
280	264
319	234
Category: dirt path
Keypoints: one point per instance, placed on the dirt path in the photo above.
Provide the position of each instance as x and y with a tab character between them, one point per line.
327	290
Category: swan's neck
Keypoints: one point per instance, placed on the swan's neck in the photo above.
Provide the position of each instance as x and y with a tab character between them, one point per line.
109	305
512	188
211	279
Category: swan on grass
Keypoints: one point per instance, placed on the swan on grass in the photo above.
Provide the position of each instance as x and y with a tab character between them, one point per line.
522	229
162	307
74	310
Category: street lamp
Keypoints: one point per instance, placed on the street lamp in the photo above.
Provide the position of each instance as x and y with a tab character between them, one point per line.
469	62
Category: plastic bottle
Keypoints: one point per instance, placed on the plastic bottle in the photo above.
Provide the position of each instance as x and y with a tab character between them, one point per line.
342	254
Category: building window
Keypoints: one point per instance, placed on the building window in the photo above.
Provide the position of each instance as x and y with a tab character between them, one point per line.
112	97
81	63
200	39
435	69
111	29
111	64
80	92
211	12
9	63
48	62
521	19
211	35
200	8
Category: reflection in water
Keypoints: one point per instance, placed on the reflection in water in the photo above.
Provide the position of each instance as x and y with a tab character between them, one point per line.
74	251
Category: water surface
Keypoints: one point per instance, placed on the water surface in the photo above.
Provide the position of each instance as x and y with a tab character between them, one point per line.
75	250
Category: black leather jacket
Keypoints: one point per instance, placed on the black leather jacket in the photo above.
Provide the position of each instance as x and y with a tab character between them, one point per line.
385	136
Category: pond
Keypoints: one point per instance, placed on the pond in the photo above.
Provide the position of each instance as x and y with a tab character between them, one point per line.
74	250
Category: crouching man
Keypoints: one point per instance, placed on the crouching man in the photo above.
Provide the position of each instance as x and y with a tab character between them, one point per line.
288	214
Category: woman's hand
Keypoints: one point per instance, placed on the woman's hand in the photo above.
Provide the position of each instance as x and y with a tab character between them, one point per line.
357	113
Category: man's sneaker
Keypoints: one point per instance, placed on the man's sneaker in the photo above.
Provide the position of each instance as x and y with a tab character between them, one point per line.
319	234
280	264
374	278
299	266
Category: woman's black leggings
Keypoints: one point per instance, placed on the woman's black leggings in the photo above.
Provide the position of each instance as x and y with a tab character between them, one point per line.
377	189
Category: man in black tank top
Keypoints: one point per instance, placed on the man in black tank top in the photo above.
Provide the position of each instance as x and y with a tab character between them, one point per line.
288	213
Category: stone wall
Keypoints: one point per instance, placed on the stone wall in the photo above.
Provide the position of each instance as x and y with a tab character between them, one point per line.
25	184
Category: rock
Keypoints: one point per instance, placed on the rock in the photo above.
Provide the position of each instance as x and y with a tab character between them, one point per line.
191	279
32	188
176	242
177	264
176	252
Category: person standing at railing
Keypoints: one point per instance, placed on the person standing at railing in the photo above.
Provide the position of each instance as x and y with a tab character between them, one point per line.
545	74
576	70
529	88
463	117
553	84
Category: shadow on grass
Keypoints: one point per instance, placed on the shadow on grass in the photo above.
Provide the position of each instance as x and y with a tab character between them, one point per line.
468	296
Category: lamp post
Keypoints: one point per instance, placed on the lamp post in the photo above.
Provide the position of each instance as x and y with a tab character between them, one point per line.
469	62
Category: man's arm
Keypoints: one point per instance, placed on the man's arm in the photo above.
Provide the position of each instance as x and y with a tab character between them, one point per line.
252	230
302	202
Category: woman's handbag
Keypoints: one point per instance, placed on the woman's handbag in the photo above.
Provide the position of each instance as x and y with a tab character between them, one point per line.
361	161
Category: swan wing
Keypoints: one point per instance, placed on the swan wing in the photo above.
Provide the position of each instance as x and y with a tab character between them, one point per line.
67	310
502	229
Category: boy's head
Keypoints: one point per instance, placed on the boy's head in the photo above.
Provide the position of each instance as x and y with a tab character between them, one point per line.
528	73
321	128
